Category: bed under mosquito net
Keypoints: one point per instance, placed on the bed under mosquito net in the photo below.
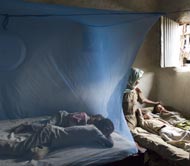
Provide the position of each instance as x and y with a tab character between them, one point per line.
60	58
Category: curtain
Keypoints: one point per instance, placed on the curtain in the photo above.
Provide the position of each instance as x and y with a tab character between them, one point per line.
170	43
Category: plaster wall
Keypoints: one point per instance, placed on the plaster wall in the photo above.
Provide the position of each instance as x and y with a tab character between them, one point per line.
168	85
148	60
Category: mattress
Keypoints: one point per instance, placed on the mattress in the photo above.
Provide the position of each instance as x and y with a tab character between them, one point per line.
157	144
73	156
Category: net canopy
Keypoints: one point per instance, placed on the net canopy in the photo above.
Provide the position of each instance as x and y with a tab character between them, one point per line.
61	58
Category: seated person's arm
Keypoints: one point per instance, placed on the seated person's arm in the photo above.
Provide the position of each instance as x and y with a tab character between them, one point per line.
142	99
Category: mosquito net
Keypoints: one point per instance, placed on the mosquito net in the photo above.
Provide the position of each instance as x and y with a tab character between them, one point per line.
74	59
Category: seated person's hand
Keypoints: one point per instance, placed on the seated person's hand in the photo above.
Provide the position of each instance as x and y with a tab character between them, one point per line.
158	102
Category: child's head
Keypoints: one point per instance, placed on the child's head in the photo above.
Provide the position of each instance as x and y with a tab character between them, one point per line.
105	126
95	118
158	109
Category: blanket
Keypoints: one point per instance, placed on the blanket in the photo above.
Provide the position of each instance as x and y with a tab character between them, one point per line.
155	143
175	136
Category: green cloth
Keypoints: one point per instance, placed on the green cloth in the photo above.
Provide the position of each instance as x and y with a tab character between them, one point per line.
184	125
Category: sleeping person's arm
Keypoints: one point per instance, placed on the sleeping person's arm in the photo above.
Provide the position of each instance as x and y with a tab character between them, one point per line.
103	140
140	118
86	135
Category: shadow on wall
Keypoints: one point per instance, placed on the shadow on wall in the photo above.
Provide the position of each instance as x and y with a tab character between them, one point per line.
149	85
148	59
174	89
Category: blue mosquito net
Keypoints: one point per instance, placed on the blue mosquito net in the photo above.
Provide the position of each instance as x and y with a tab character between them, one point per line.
61	58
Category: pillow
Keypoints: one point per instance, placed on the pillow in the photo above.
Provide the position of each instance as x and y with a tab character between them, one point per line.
87	135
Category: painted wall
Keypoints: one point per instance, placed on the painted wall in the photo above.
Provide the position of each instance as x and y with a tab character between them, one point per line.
168	85
148	60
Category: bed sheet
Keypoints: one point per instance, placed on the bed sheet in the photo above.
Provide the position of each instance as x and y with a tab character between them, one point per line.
75	156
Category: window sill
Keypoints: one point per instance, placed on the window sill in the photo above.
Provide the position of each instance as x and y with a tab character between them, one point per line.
183	69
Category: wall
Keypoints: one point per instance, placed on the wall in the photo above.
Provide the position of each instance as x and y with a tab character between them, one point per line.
174	89
148	60
168	85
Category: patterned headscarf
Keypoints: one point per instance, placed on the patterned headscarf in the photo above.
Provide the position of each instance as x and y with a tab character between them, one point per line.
135	75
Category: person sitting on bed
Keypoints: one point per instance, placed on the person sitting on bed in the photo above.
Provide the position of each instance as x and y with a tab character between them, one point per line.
62	119
50	137
172	117
132	96
169	133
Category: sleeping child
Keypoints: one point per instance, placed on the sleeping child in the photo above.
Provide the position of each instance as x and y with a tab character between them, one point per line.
171	134
53	134
172	117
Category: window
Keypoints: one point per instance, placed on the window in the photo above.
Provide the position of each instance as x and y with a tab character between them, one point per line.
175	43
185	44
